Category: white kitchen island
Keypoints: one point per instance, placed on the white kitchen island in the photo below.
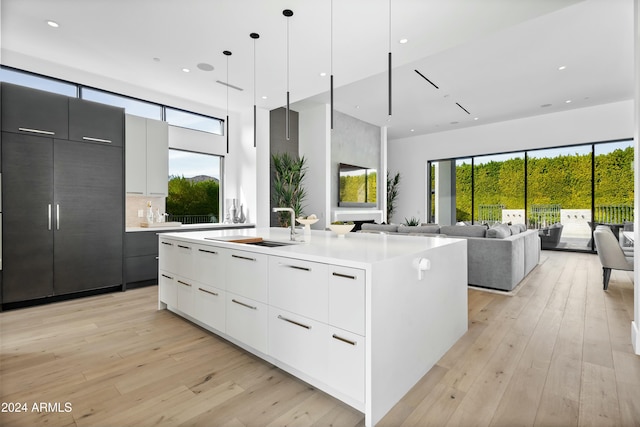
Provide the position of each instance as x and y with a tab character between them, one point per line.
362	317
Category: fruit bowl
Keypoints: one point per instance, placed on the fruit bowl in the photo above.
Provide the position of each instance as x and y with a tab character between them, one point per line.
341	229
307	221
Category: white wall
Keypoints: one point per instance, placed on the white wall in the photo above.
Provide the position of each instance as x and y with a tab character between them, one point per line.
635	326
409	155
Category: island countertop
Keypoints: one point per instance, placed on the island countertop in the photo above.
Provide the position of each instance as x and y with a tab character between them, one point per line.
353	250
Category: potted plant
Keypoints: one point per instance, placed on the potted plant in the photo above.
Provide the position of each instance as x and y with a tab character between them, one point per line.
288	191
392	193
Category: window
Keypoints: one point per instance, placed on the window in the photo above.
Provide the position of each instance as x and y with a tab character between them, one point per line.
38	82
195	121
130	105
194	187
498	188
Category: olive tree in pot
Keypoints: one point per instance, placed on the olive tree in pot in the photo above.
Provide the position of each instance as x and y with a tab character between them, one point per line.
288	191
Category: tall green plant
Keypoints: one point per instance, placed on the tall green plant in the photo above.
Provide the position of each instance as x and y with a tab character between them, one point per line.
288	189
392	193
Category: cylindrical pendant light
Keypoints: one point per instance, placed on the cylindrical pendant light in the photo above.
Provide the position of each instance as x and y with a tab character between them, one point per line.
227	54
254	36
390	62
331	61
287	13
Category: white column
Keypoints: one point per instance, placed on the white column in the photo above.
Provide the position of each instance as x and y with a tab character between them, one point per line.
635	325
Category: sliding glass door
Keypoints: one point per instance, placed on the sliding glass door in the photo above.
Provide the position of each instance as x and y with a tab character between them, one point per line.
498	188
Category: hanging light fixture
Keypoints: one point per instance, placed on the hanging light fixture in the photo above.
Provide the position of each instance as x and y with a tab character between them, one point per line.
389	57
331	59
287	13
254	36
227	54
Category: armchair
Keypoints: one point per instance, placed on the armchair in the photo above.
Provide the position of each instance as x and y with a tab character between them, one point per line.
610	253
550	236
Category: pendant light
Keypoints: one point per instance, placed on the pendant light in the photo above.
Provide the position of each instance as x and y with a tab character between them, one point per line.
288	13
331	59
390	57
254	36
227	54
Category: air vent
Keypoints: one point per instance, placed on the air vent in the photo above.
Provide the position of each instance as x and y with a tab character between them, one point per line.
464	109
423	76
229	85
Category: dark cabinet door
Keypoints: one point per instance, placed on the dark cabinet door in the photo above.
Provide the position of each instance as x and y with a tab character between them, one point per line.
32	111
89	216
27	217
95	122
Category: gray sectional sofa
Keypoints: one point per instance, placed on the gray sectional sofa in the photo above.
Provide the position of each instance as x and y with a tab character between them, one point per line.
498	257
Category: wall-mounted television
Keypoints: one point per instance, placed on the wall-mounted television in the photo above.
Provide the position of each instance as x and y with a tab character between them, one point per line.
358	186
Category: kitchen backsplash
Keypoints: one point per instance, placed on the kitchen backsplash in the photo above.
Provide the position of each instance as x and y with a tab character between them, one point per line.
136	203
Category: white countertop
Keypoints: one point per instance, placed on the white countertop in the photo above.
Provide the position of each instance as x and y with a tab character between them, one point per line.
188	227
355	249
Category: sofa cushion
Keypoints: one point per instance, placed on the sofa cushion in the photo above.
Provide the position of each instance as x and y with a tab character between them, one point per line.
464	230
514	229
387	228
499	231
431	228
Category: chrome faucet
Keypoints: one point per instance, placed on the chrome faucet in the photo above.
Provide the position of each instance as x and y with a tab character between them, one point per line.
293	220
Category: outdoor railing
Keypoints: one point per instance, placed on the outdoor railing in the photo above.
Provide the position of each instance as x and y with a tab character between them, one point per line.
192	219
490	213
613	214
543	215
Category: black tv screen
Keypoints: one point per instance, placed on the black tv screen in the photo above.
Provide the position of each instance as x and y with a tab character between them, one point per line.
358	186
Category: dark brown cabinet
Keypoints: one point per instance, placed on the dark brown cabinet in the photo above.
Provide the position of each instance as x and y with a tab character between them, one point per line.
63	211
95	122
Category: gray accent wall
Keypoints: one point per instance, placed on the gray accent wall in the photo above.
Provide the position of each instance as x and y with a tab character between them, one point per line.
357	143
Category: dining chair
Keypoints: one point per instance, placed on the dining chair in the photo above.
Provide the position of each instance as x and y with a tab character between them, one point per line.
611	255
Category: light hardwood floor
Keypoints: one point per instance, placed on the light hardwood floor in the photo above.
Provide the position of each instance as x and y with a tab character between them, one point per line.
557	353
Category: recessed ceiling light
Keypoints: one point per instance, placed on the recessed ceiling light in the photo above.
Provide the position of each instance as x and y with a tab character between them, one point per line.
53	24
323	74
562	67
205	67
357	107
403	41
186	70
264	97
413	130
476	118
568	101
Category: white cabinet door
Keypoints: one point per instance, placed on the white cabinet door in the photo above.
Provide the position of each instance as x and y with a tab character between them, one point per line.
209	265
185	295
299	286
168	293
299	342
157	158
246	274
135	155
167	255
210	306
247	321
346	362
184	259
347	299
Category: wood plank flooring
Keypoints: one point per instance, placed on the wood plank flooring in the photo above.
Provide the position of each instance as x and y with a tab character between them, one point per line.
557	353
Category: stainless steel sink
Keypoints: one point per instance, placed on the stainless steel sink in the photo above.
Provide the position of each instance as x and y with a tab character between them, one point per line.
271	243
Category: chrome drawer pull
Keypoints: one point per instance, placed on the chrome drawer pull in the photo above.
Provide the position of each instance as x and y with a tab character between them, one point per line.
208	292
294	322
49	216
345	276
105	141
297	267
184	247
243	257
168	277
42	132
184	283
135	192
339	338
209	252
167	243
245	305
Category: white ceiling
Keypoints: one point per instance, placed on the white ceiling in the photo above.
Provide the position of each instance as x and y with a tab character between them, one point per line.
498	59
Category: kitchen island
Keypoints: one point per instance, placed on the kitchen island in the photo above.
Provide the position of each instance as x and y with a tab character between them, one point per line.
362	317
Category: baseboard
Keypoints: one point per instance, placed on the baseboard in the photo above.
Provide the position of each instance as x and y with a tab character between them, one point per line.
635	337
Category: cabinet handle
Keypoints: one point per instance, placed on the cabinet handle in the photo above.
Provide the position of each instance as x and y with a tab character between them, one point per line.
302	325
135	192
159	194
49	216
339	338
184	283
208	292
41	132
243	257
208	252
168	277
57	217
297	267
243	304
167	243
157	258
104	141
345	276
184	247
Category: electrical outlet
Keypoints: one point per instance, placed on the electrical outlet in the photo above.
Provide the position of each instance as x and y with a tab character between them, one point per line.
140	213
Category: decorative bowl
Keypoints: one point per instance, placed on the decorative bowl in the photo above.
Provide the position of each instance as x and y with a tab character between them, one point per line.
341	229
305	221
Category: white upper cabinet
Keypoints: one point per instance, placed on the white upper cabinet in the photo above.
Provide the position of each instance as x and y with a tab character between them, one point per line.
146	156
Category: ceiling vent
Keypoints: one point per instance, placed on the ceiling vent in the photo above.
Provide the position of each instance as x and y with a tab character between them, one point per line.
229	85
423	76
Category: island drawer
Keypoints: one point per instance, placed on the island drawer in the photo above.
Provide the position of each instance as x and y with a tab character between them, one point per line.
299	286
246	274
210	306
247	321
209	265
347	298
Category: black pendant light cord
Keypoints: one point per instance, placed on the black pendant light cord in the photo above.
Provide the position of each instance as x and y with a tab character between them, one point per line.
331	60
287	13
390	61
227	54
254	36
